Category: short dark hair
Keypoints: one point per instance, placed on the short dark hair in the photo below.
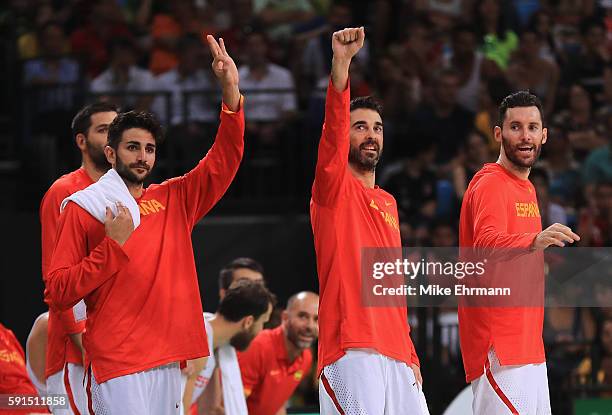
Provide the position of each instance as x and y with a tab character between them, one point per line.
134	119
226	275
245	298
368	102
82	120
519	99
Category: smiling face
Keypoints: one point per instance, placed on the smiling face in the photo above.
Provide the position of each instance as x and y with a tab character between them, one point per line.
522	136
301	320
366	139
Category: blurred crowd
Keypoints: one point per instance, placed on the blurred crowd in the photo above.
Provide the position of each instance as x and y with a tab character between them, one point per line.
440	68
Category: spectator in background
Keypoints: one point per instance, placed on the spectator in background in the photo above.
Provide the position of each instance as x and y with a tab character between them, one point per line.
105	22
398	86
474	154
586	66
452	122
123	77
498	41
444	234
579	122
595	224
470	65
316	54
53	66
597	167
415	185
194	100
167	28
266	112
490	95
601	373
280	16
562	169
56	72
277	360
189	76
416	50
528	71
243	22
550	212
542	25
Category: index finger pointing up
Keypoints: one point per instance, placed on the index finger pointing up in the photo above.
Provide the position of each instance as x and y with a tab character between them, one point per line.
213	45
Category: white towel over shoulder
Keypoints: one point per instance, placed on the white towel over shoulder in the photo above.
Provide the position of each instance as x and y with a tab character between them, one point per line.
234	401
107	191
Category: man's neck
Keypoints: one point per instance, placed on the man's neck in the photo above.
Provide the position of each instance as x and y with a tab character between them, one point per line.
520	172
367	178
135	189
92	171
223	331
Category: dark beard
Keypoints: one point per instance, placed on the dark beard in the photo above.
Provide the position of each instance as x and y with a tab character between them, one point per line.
362	162
512	154
241	340
97	157
126	174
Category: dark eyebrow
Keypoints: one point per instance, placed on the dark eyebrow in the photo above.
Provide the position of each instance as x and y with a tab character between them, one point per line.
378	123
359	123
102	126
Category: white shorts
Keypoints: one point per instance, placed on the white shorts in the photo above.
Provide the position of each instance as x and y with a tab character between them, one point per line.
155	391
69	382
505	390
365	382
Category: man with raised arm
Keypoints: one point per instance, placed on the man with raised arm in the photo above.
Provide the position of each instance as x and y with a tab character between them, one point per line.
349	213
140	285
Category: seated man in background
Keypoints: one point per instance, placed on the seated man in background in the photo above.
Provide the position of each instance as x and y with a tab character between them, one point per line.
241	315
278	359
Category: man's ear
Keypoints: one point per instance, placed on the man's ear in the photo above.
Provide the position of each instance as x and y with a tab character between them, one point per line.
111	155
544	135
497	133
284	316
247	322
81	141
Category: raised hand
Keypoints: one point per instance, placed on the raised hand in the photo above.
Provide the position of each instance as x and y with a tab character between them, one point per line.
223	65
226	72
347	42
